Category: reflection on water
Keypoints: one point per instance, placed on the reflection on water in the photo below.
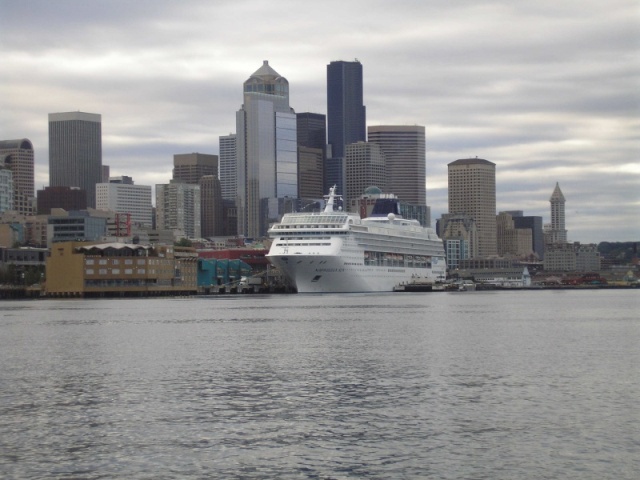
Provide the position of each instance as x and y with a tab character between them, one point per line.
477	385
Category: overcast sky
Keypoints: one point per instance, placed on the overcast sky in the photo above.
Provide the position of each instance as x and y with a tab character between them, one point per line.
548	90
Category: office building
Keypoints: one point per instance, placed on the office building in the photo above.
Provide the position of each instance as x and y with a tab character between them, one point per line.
67	198
364	167
310	173
191	167
404	150
312	133
512	241
558	232
80	269
228	167
346	117
76	225
460	236
266	151
120	195
75	152
212	206
533	223
472	192
570	257
178	209
311	130
6	189
17	156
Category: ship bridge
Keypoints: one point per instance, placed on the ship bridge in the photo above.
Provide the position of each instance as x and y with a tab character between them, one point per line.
312	220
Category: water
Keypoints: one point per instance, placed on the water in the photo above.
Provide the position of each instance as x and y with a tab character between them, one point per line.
474	385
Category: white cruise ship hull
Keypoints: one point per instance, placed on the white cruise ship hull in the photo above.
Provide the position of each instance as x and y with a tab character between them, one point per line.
329	274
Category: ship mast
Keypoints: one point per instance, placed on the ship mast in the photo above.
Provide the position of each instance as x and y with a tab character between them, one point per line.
331	199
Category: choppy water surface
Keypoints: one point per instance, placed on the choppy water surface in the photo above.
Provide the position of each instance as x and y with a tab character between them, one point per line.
475	385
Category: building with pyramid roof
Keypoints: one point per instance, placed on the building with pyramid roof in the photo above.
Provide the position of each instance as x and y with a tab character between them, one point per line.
557	233
266	151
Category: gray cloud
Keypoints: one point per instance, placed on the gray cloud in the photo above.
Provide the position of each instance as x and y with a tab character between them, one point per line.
549	91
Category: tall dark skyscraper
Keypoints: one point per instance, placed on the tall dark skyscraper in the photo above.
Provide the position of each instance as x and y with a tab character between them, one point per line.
312	130
75	152
346	116
312	142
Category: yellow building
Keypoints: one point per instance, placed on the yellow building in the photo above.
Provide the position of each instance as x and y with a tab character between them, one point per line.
88	269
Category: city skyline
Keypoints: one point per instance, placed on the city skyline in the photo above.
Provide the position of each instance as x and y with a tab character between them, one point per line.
547	92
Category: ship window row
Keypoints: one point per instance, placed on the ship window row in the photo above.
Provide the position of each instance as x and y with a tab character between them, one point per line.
306	244
314	219
303	238
315	226
310	234
390	259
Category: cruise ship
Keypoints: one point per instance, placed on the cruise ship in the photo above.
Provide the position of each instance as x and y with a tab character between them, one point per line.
336	251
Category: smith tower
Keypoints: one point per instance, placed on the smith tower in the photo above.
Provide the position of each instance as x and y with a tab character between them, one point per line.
346	117
266	151
558	233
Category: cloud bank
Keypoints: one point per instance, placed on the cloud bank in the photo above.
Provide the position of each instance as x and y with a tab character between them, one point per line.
549	91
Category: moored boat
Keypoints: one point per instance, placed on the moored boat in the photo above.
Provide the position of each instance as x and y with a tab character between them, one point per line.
336	251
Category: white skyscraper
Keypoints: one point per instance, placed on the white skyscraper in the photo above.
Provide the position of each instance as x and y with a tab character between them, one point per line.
178	209
266	151
228	167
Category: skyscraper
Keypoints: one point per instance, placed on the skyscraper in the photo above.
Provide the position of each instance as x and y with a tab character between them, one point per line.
212	206
178	209
558	232
365	167
404	150
312	133
266	150
472	192
17	156
191	167
228	167
311	130
346	116
75	152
